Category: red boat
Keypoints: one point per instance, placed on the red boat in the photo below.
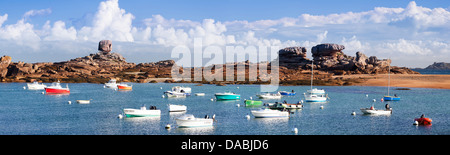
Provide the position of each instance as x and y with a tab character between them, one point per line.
56	88
423	121
124	87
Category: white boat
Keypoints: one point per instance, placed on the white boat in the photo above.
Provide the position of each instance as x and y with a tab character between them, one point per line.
314	94
199	94
270	96
143	112
373	111
278	105
269	113
189	121
177	108
177	90
83	101
171	94
36	86
111	84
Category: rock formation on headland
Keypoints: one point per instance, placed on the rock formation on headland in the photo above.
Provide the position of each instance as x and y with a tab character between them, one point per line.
295	68
96	68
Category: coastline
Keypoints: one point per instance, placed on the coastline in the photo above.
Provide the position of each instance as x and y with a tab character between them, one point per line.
437	81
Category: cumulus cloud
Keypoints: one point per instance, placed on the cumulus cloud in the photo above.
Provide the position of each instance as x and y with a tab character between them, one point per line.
41	12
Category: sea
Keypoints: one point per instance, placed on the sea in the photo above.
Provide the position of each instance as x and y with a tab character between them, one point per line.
30	112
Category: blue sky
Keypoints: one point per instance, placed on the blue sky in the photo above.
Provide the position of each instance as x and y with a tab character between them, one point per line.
412	33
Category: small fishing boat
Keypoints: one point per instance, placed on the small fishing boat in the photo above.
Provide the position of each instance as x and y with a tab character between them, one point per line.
286	93
269	96
56	88
199	94
83	101
123	86
36	86
269	113
249	103
174	94
189	121
278	105
177	108
423	121
373	111
180	90
111	84
142	112
227	96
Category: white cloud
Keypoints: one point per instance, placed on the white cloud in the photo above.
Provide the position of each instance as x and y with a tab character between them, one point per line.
32	13
109	22
3	19
59	32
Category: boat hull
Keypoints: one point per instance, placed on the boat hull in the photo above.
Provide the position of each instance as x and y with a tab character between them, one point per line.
194	123
368	111
228	97
177	108
124	87
391	98
269	114
57	91
287	93
315	99
423	121
83	101
141	113
253	103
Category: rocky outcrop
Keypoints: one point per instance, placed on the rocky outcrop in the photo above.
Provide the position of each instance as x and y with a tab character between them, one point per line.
292	57
97	68
331	58
105	46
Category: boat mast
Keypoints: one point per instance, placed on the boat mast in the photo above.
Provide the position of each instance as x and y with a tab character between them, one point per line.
389	77
312	73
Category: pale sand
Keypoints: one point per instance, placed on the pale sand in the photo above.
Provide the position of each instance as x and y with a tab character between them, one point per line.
404	80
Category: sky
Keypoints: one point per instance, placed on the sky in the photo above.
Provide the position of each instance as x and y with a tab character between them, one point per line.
411	33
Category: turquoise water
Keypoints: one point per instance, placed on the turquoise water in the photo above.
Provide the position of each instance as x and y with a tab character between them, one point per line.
30	112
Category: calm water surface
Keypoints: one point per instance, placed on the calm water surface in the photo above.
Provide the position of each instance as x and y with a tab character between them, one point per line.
30	112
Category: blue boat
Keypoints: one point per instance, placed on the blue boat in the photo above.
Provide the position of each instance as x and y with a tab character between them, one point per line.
286	93
227	96
391	98
388	97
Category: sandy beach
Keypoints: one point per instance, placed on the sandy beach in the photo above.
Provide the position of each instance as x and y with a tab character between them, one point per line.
404	80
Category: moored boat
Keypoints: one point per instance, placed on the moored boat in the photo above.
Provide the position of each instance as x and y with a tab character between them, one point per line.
177	108
391	98
314	94
56	88
227	96
269	96
268	113
373	111
278	105
286	93
111	84
189	121
83	101
179	90
123	86
142	112
171	94
36	86
423	121
252	103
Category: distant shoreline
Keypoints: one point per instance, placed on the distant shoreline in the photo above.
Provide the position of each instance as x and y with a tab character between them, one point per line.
437	81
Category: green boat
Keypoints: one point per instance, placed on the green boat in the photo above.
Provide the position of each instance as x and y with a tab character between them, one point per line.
227	96
249	103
